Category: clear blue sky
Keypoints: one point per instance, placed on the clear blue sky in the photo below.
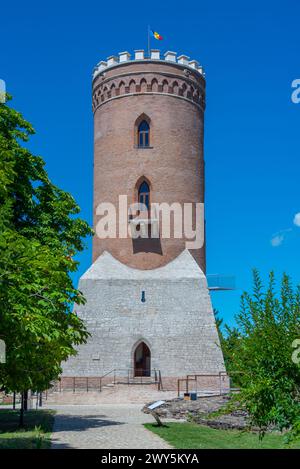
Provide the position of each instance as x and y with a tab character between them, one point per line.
250	51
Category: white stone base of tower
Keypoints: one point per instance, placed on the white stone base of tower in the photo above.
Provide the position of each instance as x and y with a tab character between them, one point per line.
176	321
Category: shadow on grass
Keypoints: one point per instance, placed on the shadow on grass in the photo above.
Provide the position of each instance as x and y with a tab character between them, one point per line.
9	420
35	434
38	426
77	423
155	425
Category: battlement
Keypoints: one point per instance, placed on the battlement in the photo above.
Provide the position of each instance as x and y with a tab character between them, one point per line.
155	55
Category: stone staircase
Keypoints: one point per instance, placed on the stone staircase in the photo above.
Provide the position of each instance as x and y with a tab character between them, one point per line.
147	380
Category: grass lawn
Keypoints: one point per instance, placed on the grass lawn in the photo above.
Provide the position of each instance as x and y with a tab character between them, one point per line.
35	434
193	436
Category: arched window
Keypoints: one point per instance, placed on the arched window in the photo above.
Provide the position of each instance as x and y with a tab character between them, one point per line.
143	134
144	194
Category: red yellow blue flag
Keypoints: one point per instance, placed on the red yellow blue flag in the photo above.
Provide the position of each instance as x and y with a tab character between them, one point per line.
156	35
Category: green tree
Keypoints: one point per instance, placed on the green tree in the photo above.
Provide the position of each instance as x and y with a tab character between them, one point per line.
219	322
228	342
39	236
260	348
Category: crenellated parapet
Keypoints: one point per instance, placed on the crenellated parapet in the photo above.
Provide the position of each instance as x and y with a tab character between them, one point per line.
155	54
175	76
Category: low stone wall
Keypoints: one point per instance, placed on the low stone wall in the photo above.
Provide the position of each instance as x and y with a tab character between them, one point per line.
201	412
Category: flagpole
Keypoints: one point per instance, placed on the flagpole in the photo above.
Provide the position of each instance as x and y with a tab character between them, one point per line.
148	41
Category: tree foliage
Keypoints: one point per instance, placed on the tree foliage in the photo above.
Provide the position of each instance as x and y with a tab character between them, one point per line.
39	235
260	348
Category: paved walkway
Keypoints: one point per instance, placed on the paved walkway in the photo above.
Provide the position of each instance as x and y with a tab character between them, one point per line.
105	426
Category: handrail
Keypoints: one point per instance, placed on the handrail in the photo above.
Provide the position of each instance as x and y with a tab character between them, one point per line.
104	376
151	371
85	381
193	377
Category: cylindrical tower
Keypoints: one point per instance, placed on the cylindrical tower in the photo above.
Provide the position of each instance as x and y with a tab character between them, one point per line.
148	145
148	309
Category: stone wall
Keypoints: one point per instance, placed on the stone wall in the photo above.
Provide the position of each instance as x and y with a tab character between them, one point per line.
176	321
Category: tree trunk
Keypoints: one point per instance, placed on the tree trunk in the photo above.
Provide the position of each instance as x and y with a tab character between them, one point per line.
25	400
21	421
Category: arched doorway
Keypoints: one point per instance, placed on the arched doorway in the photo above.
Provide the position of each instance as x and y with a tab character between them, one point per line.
142	360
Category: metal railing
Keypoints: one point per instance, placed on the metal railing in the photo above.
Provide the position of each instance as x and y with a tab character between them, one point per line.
74	383
132	376
97	383
214	383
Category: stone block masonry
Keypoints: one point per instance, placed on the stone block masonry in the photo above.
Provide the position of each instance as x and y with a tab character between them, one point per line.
148	305
176	321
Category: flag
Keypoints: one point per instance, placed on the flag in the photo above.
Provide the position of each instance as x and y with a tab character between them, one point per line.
156	35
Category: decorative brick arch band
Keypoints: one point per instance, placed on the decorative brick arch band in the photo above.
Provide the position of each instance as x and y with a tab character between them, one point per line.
124	86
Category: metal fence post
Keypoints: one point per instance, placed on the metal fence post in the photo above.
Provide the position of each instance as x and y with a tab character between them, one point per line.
160	381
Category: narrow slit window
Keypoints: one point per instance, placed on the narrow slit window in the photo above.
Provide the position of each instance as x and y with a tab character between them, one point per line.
144	194
143	134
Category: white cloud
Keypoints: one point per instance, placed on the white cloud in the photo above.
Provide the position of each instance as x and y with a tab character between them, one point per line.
278	238
297	219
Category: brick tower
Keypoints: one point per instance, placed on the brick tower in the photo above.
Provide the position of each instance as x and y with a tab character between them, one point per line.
148	305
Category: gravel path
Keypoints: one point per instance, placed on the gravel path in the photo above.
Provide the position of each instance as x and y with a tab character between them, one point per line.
105	426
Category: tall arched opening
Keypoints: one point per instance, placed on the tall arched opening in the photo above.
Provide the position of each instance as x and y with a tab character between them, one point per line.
142	360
